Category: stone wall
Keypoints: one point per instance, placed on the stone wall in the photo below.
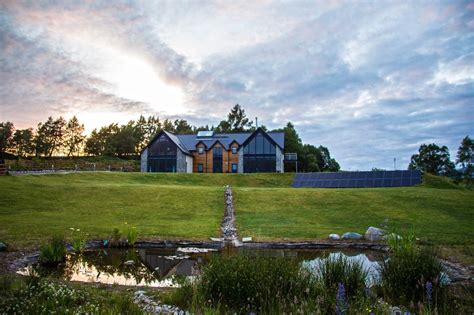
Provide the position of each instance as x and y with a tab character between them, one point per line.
279	160
180	162
240	167
144	160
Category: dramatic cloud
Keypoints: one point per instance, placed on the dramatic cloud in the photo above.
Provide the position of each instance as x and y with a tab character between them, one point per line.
370	81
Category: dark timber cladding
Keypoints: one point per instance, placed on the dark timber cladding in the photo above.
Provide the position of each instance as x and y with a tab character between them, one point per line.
357	179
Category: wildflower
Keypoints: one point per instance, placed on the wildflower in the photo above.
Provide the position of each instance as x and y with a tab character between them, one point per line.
429	291
341	299
367	291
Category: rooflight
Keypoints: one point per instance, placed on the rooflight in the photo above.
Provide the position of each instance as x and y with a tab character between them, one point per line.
205	134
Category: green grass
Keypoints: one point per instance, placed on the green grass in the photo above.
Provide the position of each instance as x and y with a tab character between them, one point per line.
32	208
441	215
190	206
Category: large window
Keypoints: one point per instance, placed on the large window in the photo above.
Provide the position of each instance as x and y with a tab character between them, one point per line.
259	155
162	156
217	160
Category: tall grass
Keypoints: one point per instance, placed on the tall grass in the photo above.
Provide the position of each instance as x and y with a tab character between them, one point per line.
335	270
274	285
254	284
54	252
404	275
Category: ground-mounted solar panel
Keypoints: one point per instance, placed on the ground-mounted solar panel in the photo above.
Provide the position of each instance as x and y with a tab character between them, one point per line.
357	179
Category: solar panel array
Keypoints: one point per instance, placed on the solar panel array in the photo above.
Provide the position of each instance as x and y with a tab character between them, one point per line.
357	179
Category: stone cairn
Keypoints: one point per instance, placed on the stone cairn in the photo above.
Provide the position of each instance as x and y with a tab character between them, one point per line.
229	230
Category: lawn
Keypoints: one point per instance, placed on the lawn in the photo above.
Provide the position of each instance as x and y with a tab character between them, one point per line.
444	216
190	206
32	208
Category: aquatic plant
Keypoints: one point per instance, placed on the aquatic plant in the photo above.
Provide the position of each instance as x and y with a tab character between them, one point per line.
254	284
404	273
339	269
116	234
78	241
54	252
132	235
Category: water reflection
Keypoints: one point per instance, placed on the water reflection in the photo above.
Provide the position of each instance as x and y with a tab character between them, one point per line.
158	268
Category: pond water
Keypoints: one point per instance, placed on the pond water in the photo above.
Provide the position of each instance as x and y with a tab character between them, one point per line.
158	267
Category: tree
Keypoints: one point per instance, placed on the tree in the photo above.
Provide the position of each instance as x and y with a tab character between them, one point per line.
181	126
317	159
432	159
22	142
6	133
113	140
50	136
236	121
73	136
465	159
293	144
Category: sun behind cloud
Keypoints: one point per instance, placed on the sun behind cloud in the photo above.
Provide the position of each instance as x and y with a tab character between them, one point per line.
134	78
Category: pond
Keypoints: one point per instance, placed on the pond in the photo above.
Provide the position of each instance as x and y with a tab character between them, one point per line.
158	267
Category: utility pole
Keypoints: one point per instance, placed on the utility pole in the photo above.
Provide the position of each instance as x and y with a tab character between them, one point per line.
256	122
394	164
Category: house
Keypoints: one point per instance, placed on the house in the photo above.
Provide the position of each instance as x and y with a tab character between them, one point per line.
209	152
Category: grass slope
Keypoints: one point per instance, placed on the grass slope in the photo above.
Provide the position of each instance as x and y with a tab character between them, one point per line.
32	208
441	215
190	206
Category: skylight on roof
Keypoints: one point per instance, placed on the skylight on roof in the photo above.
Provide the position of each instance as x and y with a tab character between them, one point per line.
205	134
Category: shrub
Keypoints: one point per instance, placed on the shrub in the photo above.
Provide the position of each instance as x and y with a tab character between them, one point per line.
54	252
404	275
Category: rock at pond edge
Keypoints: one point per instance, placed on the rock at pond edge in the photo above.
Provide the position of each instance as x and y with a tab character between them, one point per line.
334	236
351	236
374	234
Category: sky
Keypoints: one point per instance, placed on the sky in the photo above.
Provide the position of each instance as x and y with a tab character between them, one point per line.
370	80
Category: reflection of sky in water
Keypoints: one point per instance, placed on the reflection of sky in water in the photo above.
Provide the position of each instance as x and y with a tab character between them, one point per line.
158	268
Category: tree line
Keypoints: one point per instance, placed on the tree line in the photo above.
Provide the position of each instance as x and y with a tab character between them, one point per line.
436	160
61	137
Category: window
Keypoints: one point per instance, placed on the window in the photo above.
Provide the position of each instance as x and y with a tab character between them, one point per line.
217	160
234	150
234	167
200	168
259	155
162	155
200	150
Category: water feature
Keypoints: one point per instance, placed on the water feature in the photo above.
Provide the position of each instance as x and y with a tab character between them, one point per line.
158	267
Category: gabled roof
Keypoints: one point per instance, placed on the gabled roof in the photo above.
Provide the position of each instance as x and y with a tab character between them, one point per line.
173	138
278	135
187	143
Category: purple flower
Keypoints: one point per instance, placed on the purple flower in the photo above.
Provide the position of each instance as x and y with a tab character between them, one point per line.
367	291
341	299
429	291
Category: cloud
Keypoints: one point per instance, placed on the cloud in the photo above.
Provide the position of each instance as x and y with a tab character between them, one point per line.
370	81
